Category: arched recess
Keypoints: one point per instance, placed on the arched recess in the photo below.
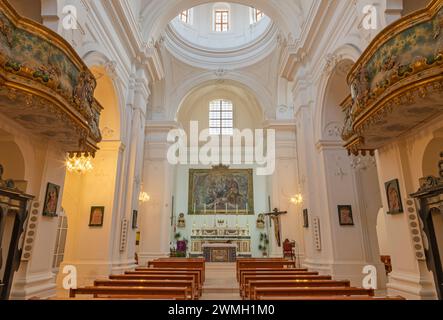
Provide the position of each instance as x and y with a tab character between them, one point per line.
11	157
337	65
348	181
431	157
106	72
157	14
91	249
195	106
263	96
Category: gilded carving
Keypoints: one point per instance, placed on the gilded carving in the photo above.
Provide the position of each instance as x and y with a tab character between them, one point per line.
403	67
47	74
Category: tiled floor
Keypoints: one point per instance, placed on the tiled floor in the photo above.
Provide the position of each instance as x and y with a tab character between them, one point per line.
221	282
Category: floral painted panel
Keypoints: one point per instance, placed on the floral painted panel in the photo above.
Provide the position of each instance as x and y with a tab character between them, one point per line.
420	45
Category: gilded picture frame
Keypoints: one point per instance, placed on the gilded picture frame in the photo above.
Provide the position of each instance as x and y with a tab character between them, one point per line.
221	191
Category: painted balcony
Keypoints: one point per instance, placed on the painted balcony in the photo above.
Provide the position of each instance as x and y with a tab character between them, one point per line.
45	86
397	84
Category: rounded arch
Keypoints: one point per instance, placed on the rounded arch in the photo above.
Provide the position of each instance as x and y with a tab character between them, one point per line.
326	120
431	157
195	107
12	159
109	92
157	14
251	85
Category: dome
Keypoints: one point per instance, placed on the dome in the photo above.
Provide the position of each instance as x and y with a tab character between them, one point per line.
221	26
211	34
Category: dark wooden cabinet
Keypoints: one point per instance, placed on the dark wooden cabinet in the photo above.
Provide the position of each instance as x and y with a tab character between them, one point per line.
430	200
14	209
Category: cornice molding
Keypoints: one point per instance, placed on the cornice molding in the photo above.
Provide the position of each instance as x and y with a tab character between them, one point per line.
235	58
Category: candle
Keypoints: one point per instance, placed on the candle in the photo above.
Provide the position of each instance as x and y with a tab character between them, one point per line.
247	208
226	210
236	209
195	207
205	208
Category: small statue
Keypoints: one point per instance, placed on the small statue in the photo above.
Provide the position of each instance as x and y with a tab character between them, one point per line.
181	221
261	221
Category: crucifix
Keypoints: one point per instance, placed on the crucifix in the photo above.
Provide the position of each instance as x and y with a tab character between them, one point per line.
275	217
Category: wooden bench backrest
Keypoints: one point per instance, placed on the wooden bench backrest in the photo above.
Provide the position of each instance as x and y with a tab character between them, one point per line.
135	292
274	272
251	285
190	284
166	272
289	292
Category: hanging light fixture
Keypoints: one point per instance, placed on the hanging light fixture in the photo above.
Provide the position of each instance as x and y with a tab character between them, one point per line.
144	197
297	199
79	162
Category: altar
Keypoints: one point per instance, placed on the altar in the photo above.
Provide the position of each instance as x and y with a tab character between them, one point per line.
219	240
219	252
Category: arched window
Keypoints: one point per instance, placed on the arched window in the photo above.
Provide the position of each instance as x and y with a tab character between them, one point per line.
221	19
256	15
185	16
221	120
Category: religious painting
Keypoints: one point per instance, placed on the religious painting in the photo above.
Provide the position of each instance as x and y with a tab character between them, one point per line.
345	215
134	219
97	216
221	191
393	195
305	218
51	200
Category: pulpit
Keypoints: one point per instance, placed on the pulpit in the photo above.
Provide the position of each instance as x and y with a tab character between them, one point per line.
14	207
219	252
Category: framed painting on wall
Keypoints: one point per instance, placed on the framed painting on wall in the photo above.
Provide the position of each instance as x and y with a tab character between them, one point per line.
393	195
305	218
51	200
97	216
221	191
134	219
345	215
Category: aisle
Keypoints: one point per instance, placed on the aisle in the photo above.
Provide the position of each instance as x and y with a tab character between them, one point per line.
221	282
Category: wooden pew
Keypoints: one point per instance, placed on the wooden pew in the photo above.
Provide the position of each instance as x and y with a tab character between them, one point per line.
179	264
174	270
254	275
165	274
132	293
242	265
332	298
258	260
188	284
251	285
263	293
275	272
189	277
197	273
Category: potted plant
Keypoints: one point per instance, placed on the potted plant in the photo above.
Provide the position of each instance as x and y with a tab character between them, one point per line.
264	244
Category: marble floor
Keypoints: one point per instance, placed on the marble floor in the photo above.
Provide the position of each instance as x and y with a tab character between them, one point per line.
221	282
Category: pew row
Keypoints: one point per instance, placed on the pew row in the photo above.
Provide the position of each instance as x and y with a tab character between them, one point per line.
147	293
251	285
189	285
263	293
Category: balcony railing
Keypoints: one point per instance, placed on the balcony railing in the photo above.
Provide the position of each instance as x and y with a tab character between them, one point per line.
397	84
45	86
